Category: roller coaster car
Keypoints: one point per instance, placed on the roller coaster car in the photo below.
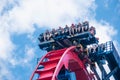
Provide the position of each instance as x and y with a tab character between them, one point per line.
69	55
64	41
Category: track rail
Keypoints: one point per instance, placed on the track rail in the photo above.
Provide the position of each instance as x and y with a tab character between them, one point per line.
53	61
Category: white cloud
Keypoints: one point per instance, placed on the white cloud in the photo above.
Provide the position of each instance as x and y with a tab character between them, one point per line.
48	13
104	31
6	45
6	49
5	73
29	54
6	5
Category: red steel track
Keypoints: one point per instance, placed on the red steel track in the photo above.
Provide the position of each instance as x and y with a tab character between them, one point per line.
53	61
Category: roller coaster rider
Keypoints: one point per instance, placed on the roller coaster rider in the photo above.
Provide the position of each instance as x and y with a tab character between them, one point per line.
86	25
102	47
66	30
60	32
41	38
79	28
92	30
72	29
54	33
46	35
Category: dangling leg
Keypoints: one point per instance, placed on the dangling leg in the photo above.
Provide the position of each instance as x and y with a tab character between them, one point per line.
78	29
82	29
44	37
73	32
70	31
48	37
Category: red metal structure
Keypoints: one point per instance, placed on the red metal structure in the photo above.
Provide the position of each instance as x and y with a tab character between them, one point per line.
58	59
68	62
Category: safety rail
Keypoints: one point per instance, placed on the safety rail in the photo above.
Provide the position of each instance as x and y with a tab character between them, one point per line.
85	39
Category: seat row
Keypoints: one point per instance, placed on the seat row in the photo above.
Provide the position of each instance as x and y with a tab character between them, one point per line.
67	31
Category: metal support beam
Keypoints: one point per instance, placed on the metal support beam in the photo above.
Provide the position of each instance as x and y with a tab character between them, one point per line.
96	74
104	73
111	73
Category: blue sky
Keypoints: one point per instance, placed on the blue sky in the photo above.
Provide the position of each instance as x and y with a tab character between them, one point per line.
21	22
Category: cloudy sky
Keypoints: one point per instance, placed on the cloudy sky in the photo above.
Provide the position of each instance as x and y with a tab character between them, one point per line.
21	22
